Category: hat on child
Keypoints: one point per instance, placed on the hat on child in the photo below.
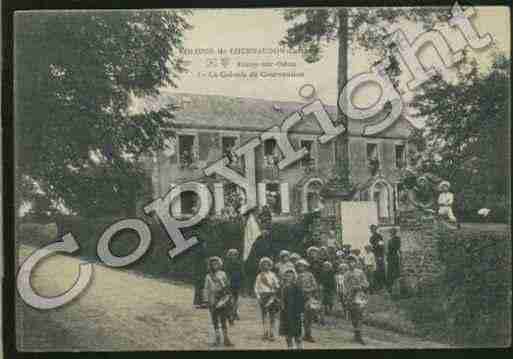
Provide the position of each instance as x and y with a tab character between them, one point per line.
284	253
295	256
340	253
444	183
232	252
215	259
303	262
312	249
342	265
264	260
292	271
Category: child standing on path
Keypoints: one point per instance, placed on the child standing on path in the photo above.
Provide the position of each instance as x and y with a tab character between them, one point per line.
308	285
266	291
369	266
233	268
327	290
356	286
217	287
284	263
292	308
341	290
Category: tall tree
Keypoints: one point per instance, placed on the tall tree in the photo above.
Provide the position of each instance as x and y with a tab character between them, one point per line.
312	29
76	75
466	134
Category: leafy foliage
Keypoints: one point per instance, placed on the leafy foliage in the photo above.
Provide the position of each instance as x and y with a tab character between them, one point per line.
77	75
466	134
311	29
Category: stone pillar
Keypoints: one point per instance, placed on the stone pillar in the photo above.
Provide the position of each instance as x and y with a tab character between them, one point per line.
421	261
219	197
285	198
176	204
262	198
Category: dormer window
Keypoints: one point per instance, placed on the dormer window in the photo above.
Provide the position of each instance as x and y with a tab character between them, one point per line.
271	152
307	160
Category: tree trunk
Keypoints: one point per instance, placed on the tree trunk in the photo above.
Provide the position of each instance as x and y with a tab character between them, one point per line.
342	144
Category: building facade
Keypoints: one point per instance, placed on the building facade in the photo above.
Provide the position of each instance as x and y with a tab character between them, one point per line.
208	127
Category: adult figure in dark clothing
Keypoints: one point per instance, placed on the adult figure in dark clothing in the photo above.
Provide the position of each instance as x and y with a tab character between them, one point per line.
313	258
292	308
200	271
378	248
265	217
233	269
393	258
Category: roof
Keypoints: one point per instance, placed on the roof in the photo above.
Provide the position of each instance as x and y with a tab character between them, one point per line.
241	113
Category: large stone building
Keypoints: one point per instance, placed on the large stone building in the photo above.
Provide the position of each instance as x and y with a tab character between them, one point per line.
208	126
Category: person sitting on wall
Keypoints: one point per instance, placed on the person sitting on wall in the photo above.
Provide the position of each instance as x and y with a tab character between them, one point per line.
445	202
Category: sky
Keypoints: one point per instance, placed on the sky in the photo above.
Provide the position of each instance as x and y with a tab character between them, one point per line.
264	28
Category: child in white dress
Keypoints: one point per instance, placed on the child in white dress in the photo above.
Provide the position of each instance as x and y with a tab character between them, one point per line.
445	201
267	286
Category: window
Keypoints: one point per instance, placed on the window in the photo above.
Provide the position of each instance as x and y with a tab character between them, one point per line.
273	197
312	195
307	160
372	151
228	143
270	147
232	199
189	203
186	149
271	159
373	158
400	158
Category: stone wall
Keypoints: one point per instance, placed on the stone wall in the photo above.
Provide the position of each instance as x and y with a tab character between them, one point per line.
421	258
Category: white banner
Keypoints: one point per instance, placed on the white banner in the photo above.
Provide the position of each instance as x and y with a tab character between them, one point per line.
251	233
356	217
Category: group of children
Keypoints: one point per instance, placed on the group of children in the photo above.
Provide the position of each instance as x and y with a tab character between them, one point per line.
296	290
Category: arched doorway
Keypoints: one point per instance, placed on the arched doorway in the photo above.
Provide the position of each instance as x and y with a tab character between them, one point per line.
383	194
311	194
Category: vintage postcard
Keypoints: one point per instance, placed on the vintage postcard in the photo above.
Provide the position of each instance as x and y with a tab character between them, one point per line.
262	179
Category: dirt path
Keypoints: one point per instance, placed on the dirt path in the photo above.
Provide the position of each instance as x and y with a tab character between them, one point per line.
124	311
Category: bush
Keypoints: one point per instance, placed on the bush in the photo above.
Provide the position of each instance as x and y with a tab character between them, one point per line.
470	202
219	236
471	304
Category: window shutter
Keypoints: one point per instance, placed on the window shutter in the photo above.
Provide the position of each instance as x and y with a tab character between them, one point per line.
173	159
204	145
176	204
285	197
326	152
219	197
261	194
